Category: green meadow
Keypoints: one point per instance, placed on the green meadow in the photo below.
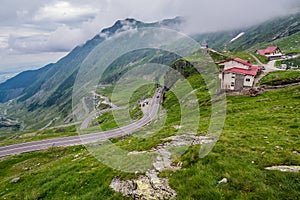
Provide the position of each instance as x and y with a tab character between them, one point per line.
259	132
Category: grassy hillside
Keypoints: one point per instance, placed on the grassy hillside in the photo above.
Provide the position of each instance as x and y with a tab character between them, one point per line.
291	62
217	40
276	31
50	91
259	132
289	44
281	78
134	59
60	173
48	95
283	32
15	86
242	55
13	138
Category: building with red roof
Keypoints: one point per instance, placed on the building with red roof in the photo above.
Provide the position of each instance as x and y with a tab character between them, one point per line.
204	46
238	74
272	52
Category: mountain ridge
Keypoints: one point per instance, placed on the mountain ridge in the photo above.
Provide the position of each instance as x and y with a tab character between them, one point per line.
53	87
50	88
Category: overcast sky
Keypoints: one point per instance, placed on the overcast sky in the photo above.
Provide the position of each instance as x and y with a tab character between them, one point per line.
36	32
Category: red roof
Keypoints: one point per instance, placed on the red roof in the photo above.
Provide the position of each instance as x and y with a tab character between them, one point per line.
247	63
252	71
221	62
267	51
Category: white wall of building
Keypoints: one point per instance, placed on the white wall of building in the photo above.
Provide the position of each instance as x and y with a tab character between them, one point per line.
229	81
234	64
248	81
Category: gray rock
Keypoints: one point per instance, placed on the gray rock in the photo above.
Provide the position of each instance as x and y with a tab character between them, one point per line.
145	187
295	169
15	180
150	186
224	180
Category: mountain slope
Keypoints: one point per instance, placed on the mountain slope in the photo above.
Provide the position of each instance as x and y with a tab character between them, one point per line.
283	32
48	94
13	87
268	33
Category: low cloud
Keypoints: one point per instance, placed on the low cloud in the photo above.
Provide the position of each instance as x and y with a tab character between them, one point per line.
50	26
64	12
216	15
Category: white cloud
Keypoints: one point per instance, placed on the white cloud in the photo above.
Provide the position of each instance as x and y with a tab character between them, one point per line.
3	41
19	62
49	26
63	11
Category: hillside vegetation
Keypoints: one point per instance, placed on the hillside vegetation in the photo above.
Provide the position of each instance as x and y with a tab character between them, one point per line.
259	132
283	31
290	44
281	78
290	62
47	92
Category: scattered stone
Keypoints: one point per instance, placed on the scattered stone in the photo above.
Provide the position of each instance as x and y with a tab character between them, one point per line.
145	187
295	169
177	127
15	180
224	180
252	162
163	160
178	165
125	187
278	108
187	140
266	137
150	186
296	152
253	92
261	100
136	152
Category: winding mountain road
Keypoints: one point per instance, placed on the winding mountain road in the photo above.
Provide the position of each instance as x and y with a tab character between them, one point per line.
86	138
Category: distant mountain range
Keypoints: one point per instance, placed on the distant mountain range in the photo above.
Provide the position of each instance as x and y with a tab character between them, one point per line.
45	93
283	31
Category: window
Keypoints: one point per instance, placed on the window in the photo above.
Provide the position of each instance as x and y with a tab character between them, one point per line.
232	84
247	79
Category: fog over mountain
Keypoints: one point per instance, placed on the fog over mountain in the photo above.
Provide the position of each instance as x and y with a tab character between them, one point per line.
35	33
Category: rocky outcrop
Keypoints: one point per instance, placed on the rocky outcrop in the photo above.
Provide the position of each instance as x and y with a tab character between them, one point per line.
150	186
146	187
15	180
295	169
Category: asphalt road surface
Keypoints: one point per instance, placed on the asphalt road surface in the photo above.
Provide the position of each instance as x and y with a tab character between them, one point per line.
87	138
